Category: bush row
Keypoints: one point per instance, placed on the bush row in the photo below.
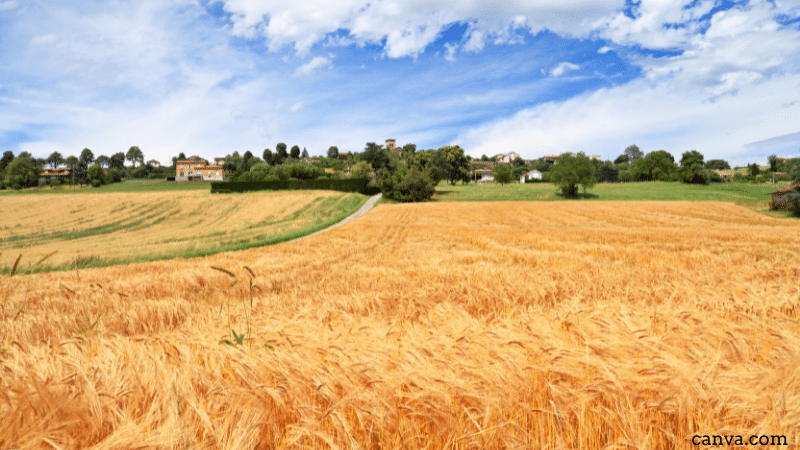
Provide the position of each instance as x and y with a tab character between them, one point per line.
343	185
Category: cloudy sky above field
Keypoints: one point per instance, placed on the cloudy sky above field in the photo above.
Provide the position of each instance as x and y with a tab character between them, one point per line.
536	77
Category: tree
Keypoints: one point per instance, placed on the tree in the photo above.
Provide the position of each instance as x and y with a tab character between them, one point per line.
181	156
633	153
502	173
8	156
103	160
692	168
333	152
657	165
115	175
248	155
718	164
622	159
295	152
280	149
55	159
361	170
134	154
453	163
773	163
95	175
409	150
406	185
571	171
71	162
268	156
304	155
753	169
21	173
607	173
375	156
117	161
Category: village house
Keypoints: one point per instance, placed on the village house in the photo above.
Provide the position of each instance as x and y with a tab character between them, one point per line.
482	176
60	173
506	158
550	158
154	163
780	198
197	169
532	175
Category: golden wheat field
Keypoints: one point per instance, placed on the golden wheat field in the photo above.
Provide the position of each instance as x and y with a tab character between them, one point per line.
424	326
143	226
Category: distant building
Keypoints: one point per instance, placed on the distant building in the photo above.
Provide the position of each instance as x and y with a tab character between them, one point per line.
506	158
596	157
550	158
533	174
219	161
197	169
154	163
780	198
391	144
55	174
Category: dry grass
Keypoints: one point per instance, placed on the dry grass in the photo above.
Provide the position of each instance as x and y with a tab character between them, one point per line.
85	228
491	325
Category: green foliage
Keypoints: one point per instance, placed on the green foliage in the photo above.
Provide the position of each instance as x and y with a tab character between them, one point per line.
115	175
295	152
753	169
406	185
633	153
607	173
361	170
409	150
657	165
134	155
794	201
502	173
718	164
453	163
426	161
375	156
117	161
793	169
692	168
281	153
333	152
21	173
95	175
8	156
571	171
345	185
622	159
268	156
304	154
55	159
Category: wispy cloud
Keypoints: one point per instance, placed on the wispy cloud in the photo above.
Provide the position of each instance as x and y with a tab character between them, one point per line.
562	67
316	63
297	106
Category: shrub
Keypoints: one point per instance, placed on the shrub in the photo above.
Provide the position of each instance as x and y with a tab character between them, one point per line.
410	185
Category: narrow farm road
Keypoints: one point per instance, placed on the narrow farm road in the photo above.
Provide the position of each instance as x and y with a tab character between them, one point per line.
367	206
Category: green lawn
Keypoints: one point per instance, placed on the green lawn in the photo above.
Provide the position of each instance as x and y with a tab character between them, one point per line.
753	196
125	186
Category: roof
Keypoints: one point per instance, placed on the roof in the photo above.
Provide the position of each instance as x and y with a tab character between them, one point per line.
787	189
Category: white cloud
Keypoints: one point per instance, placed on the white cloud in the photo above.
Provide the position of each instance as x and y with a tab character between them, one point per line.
406	28
563	67
308	68
604	50
297	106
450	51
43	40
653	116
9	5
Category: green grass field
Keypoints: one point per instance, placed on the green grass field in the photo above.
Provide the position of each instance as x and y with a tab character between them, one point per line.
753	196
126	186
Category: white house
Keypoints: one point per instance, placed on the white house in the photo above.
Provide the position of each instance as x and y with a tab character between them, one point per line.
506	158
533	174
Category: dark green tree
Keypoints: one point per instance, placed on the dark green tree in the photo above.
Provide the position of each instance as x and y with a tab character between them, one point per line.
571	171
8	156
333	152
453	163
409	150
607	173
622	159
773	162
103	160
304	155
117	161
21	173
295	152
753	169
375	156
248	155
281	152
718	164
406	185
268	156
485	158
692	168
657	165
82	169
55	159
181	156
95	175
134	155
502	173
633	153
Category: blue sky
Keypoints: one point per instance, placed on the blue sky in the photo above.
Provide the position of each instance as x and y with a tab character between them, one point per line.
536	77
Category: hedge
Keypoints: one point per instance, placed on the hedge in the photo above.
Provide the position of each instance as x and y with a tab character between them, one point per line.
346	185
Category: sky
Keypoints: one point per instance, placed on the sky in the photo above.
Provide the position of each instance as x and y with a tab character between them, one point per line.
537	77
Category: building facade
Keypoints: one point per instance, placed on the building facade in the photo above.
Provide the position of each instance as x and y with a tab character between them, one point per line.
197	170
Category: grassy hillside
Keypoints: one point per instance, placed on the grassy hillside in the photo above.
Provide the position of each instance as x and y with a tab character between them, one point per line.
97	229
753	196
481	325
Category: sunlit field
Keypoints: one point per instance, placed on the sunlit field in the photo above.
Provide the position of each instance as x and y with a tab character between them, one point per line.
102	228
423	326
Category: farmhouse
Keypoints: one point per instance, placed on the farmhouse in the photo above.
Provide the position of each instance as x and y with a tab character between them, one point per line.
780	198
55	174
197	169
551	158
483	176
532	175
